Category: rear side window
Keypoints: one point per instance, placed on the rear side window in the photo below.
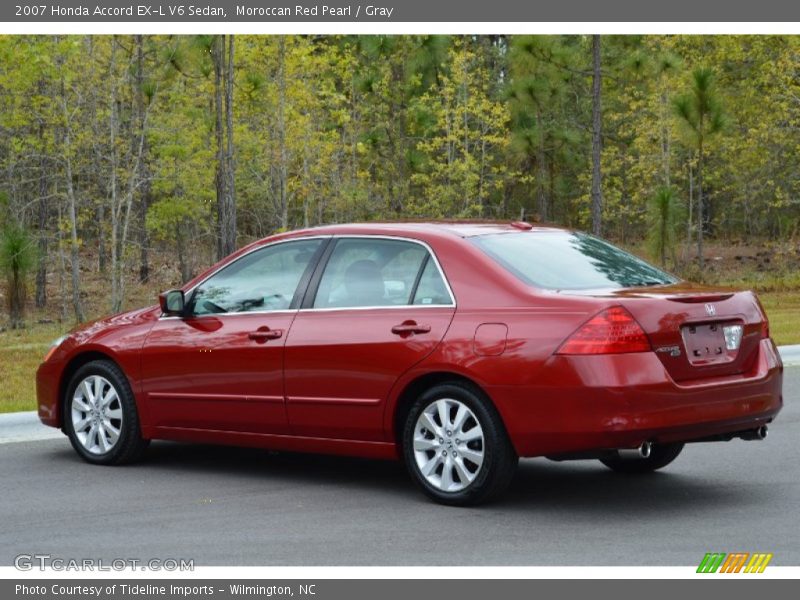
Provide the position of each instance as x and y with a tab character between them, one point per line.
569	261
431	289
364	272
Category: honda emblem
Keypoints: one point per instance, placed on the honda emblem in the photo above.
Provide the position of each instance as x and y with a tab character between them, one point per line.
710	310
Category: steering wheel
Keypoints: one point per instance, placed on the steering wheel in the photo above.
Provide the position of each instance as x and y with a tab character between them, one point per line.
277	299
212	307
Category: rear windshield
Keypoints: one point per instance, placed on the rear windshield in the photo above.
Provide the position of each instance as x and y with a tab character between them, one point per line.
561	260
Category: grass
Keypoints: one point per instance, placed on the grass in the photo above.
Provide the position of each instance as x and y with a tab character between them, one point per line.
21	351
783	310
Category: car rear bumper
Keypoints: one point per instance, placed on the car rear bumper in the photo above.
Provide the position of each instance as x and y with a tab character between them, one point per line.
583	403
47	378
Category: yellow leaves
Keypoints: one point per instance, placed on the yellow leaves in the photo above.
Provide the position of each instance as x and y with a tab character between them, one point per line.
468	136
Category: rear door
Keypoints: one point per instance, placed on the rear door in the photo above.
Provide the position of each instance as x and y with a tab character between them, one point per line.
374	308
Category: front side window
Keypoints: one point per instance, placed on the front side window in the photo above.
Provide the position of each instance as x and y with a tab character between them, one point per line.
562	260
263	280
363	272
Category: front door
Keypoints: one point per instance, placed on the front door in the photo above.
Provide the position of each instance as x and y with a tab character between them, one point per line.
377	308
220	367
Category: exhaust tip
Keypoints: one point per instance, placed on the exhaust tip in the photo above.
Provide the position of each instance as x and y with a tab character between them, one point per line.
760	433
644	449
641	451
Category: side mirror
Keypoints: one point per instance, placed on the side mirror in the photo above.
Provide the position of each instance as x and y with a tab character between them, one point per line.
172	303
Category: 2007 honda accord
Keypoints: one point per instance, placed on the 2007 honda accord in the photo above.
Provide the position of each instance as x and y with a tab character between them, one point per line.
456	347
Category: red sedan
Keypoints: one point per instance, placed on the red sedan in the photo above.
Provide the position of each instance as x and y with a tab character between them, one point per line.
456	347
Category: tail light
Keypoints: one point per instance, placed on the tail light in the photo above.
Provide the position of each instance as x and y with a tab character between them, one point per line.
765	320
612	331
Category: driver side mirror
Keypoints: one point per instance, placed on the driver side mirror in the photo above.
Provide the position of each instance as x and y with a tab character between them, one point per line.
172	303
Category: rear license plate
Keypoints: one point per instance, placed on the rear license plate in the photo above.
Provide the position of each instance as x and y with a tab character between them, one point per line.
705	344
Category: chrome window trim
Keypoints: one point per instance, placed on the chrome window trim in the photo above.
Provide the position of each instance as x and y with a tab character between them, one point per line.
335	237
376	307
191	290
357	236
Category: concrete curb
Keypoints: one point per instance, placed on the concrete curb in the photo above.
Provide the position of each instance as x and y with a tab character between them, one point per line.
790	355
25	426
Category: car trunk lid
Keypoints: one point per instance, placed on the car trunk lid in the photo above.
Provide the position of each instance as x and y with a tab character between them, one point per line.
697	332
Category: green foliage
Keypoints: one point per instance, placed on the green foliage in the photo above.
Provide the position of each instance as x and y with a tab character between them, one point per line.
544	145
700	109
343	128
664	218
462	172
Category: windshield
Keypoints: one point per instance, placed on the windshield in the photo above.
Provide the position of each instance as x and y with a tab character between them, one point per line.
562	260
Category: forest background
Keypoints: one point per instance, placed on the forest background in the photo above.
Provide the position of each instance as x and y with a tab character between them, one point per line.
130	163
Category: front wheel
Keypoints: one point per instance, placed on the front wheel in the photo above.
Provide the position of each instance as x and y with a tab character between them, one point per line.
100	415
455	446
660	456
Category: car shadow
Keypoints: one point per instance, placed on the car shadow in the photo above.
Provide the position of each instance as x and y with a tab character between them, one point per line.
589	487
286	466
539	485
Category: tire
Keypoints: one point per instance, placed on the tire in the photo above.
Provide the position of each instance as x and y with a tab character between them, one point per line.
460	472
660	456
91	427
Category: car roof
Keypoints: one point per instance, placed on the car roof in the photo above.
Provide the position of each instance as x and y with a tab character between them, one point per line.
460	228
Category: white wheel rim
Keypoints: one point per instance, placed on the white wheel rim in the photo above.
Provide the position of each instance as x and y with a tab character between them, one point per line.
96	414
448	445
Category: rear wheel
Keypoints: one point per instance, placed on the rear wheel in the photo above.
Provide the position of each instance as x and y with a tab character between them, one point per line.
660	456
100	415
455	446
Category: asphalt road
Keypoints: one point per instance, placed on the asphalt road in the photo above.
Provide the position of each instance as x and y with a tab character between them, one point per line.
231	506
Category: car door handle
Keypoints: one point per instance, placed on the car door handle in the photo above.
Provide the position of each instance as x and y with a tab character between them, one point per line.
410	327
262	335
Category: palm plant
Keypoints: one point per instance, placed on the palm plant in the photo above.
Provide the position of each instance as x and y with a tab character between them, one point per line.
17	262
664	215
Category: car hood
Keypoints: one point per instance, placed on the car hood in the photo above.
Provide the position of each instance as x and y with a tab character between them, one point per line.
91	329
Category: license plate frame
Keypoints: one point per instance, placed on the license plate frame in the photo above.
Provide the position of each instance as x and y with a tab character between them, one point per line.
705	344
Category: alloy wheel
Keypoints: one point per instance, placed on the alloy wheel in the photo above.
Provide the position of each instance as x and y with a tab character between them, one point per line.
448	445
96	412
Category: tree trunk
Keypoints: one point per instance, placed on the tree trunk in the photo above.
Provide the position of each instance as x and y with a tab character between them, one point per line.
665	138
77	304
597	196
624	203
223	103
229	152
102	230
220	179
700	208
541	159
144	238
16	297
690	212
182	264
43	209
117	245
283	165
62	265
